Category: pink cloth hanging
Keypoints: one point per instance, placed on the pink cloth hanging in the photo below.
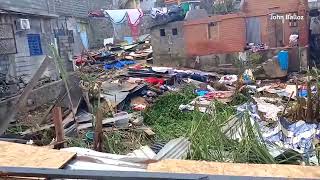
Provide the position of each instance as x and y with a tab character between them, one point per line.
134	17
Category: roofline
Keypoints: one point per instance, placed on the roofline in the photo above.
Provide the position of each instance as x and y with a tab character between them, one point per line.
13	10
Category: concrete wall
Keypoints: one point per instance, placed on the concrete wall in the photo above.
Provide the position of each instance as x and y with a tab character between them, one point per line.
146	5
74	13
314	4
168	49
46	16
101	28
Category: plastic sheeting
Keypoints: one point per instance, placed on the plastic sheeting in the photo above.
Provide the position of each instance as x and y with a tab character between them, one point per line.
296	136
118	64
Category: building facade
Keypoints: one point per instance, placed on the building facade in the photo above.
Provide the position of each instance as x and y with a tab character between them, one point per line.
167	44
265	22
213	42
30	26
26	35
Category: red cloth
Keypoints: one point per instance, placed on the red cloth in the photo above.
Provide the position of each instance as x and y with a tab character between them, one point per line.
136	67
154	81
80	60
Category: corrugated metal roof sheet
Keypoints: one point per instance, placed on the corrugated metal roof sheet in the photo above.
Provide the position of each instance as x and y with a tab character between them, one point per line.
175	149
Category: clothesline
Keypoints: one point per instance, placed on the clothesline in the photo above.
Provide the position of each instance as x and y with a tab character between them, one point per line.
131	16
120	16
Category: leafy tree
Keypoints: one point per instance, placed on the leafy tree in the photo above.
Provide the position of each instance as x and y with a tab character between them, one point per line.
224	7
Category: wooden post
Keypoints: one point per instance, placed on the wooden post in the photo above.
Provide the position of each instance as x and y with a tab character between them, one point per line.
98	133
58	126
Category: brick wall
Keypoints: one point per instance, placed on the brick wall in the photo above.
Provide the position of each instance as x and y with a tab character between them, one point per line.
231	33
264	7
229	36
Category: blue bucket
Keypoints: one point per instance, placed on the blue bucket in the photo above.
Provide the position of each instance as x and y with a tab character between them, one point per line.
283	58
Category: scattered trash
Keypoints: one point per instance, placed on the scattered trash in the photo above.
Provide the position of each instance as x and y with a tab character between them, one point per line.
228	79
268	110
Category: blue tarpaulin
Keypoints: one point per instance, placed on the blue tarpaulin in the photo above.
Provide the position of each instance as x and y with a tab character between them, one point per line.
118	64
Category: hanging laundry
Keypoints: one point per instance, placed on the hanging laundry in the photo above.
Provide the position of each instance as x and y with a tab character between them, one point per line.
117	16
134	18
134	31
158	12
84	39
185	7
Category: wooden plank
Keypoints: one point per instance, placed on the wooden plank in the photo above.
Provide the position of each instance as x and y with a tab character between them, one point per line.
233	169
20	155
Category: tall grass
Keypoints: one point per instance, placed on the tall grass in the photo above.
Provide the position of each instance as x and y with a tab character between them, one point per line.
205	130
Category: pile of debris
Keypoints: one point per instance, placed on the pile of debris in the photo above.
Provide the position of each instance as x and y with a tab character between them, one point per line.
114	87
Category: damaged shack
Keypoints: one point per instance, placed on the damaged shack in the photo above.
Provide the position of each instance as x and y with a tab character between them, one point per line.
218	39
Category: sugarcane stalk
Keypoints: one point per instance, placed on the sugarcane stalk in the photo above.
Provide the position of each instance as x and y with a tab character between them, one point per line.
298	114
317	97
309	103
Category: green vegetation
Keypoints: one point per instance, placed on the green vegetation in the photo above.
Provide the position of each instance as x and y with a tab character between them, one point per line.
204	130
166	119
124	142
225	7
